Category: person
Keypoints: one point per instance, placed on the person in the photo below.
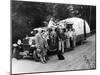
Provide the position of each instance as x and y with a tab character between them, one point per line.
41	44
18	47
74	37
51	23
59	50
26	43
67	42
52	37
70	33
61	40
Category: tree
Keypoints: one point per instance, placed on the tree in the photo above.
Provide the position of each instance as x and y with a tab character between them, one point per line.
28	15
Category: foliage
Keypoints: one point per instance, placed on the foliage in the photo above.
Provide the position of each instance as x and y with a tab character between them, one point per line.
27	15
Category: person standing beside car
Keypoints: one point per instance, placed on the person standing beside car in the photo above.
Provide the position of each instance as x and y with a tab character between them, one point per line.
60	44
41	45
61	37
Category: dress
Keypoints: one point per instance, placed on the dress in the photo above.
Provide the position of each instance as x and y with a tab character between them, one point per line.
67	41
41	44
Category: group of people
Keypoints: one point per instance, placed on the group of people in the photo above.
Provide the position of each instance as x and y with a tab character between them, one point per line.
53	37
57	38
66	34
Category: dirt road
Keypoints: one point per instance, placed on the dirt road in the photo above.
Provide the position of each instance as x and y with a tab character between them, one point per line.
82	57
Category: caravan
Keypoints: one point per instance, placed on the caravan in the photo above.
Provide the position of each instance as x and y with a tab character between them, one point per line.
81	27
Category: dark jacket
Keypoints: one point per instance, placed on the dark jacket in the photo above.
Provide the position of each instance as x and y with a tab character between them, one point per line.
61	35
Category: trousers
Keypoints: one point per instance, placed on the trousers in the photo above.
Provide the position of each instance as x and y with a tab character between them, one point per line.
61	45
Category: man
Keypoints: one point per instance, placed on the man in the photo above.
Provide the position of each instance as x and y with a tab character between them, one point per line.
71	34
41	44
60	47
61	40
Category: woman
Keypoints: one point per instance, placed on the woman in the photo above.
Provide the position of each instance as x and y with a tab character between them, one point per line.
67	39
41	44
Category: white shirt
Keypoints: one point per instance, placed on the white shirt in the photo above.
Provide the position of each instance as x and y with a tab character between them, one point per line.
51	23
70	33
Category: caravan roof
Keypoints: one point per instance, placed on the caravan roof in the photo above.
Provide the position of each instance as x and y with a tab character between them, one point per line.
78	24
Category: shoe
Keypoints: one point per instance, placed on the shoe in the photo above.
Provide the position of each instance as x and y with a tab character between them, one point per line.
60	57
43	61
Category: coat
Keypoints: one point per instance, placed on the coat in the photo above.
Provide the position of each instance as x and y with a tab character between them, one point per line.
61	35
41	44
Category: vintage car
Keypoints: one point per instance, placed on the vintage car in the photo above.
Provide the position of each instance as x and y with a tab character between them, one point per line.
28	47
